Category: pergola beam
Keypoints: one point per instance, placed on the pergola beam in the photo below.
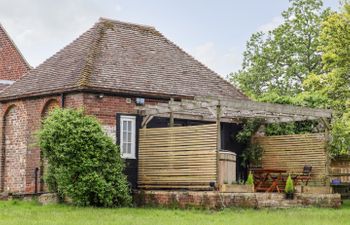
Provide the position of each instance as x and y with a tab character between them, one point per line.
178	106
209	118
270	107
233	110
146	120
232	119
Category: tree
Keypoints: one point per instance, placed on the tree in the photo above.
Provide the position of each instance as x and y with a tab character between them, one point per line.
334	84
305	61
250	179
84	164
289	188
335	46
279	61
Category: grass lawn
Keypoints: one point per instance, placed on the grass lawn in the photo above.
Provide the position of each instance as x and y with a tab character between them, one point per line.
30	213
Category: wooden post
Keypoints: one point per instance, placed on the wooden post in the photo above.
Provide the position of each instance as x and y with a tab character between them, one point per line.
218	128
328	160
171	122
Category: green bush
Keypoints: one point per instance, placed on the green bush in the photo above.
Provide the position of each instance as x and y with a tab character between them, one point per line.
289	185
83	162
340	141
252	152
250	179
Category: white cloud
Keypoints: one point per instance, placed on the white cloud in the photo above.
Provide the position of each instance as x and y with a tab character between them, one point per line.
42	27
275	22
221	61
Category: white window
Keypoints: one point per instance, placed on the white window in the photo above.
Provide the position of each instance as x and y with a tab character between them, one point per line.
128	137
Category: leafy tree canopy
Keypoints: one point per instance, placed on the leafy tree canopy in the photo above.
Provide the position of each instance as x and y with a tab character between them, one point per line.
279	61
334	84
305	61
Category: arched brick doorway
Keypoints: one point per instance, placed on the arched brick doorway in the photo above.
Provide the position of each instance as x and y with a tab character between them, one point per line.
49	106
14	150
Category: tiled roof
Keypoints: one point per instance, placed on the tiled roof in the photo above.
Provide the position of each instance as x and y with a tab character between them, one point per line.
122	57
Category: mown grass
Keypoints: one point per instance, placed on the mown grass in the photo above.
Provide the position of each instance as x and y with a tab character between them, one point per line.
31	213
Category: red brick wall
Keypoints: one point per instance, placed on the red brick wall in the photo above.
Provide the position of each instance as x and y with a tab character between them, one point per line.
49	106
36	109
14	151
217	200
105	108
22	123
12	65
18	144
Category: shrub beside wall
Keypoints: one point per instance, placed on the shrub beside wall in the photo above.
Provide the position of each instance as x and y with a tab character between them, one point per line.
83	162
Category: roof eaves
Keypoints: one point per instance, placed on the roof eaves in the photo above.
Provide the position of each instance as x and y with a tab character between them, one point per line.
95	89
39	93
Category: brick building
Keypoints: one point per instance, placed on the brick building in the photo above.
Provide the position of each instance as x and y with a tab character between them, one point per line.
12	63
107	70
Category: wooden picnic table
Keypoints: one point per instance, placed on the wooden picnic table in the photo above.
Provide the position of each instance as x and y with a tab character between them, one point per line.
268	180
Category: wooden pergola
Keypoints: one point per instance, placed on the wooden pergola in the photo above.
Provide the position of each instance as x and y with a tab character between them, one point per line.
232	111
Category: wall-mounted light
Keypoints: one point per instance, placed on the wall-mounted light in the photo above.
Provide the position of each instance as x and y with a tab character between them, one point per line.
140	101
100	95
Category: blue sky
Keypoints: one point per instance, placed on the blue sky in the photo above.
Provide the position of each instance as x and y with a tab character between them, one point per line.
215	32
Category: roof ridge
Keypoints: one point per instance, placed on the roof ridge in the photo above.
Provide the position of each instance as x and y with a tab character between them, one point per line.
92	53
100	28
125	23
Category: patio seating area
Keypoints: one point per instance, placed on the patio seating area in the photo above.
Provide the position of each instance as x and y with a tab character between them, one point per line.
269	180
274	180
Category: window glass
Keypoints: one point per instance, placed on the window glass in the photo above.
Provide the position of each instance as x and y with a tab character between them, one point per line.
128	136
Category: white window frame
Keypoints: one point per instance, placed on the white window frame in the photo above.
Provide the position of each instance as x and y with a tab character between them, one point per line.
132	154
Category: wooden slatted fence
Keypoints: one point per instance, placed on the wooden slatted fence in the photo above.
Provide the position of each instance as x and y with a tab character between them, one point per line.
340	169
177	157
292	152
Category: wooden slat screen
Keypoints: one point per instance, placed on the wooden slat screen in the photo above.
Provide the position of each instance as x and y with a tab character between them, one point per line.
292	152
177	157
340	169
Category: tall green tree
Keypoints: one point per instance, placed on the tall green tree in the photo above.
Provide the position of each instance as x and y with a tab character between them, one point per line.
304	61
279	61
334	84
